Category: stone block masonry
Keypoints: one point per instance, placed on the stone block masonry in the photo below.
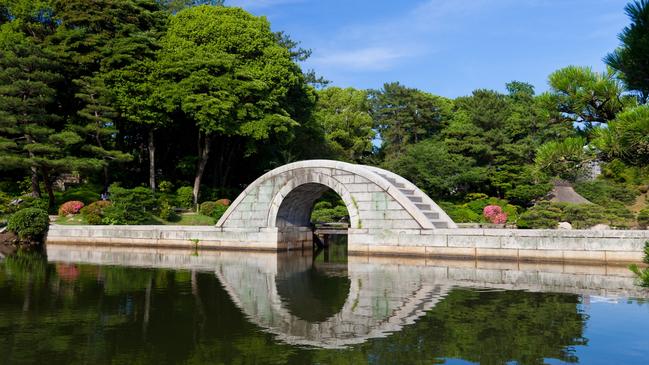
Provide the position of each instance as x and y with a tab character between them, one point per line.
613	246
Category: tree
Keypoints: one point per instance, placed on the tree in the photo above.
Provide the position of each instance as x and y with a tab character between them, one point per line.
344	114
99	128
626	138
631	59
223	70
567	159
430	166
31	133
403	115
587	97
114	41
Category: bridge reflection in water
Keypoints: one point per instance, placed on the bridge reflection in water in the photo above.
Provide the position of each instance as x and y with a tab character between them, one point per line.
333	304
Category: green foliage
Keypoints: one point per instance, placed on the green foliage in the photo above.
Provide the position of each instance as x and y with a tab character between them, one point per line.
479	202
29	223
184	197
567	159
586	96
218	211
634	50
167	211
165	187
643	218
431	167
84	194
326	212
460	213
94	213
344	115
580	216
626	138
642	274
212	209
541	216
525	195
130	206
602	192
207	208
405	116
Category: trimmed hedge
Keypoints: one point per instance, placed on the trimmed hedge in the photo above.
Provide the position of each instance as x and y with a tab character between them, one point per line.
29	223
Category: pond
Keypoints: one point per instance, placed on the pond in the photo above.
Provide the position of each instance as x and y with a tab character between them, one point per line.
137	306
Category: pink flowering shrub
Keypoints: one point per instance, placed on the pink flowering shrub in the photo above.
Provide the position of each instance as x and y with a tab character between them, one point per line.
494	214
71	207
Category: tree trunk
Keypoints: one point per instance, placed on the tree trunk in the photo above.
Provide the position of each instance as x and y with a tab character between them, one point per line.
151	160
36	188
204	143
48	188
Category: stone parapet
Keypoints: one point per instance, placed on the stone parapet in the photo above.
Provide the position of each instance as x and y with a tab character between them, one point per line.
612	246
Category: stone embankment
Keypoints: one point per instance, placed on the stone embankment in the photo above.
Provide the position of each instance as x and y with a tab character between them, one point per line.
605	246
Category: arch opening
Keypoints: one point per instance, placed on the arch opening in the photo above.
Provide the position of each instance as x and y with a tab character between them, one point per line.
311	211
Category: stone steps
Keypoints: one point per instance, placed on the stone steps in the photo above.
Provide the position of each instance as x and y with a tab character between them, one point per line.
412	195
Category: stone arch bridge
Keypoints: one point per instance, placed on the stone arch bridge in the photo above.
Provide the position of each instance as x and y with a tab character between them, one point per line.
274	211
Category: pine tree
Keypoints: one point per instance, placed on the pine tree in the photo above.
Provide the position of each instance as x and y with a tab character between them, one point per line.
99	128
31	131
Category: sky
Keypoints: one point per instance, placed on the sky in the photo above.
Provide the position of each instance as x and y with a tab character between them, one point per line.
446	47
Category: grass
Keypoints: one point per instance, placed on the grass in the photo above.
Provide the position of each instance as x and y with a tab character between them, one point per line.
186	219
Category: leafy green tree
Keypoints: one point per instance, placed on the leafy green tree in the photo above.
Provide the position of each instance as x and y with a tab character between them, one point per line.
100	130
223	70
587	97
567	159
26	106
631	59
404	115
114	41
430	166
626	138
344	114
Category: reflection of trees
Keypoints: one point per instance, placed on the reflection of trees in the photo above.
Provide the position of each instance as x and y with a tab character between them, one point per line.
484	327
123	315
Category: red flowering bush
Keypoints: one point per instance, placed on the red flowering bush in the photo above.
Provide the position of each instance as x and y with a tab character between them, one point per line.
494	214
71	207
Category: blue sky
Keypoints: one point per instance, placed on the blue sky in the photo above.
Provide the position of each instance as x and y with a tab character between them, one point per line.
446	47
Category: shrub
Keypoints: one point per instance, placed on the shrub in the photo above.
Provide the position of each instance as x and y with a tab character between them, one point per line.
219	210
580	216
494	214
603	191
83	194
325	212
71	207
185	197
525	195
130	206
207	208
543	215
167	212
94	212
29	223
165	187
224	202
459	213
478	205
643	218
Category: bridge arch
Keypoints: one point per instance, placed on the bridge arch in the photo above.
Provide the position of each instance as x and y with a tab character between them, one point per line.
378	201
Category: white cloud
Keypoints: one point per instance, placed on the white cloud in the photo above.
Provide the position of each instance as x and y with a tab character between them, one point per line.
363	59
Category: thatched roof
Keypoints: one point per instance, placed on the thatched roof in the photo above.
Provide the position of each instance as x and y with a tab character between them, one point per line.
563	192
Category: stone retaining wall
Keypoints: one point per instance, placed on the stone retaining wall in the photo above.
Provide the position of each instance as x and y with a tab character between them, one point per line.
610	246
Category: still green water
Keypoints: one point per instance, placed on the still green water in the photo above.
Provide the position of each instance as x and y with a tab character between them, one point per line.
104	307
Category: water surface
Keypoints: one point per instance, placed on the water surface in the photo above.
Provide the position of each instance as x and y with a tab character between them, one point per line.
128	306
